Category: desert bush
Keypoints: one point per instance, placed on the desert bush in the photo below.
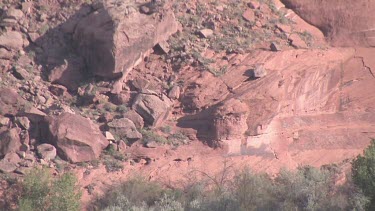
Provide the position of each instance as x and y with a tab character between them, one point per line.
42	192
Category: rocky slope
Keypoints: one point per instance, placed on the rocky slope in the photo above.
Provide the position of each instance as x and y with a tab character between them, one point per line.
172	88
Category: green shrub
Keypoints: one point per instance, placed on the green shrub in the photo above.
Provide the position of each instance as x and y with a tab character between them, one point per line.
42	192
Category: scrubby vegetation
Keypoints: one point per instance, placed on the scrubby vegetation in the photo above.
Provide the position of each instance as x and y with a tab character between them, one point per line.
42	192
307	188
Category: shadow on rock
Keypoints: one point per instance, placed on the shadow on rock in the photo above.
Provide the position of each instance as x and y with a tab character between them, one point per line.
55	53
202	122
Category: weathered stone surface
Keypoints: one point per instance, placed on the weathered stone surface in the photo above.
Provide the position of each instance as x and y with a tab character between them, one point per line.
23	122
297	41
140	83
151	144
10	102
125	128
116	37
259	71
164	46
230	120
109	136
254	4
249	15
68	74
11	40
5	54
46	151
20	73
76	138
6	167
206	33
275	47
10	141
135	118
344	23
58	90
152	108
174	93
13	13
4	121
121	146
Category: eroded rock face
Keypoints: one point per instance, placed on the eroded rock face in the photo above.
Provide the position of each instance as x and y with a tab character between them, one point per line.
9	163
115	37
76	138
344	23
125	128
12	104
230	120
152	108
11	40
135	118
10	101
10	141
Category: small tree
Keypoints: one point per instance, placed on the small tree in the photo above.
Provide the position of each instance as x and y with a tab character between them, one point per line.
363	170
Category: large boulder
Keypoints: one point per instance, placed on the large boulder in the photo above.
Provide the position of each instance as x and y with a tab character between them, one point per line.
125	128
230	120
152	108
47	151
76	138
135	118
11	40
10	101
9	163
116	36
68	74
10	141
12	104
344	22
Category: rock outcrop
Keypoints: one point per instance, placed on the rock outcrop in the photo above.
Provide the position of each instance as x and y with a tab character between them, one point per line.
230	120
12	104
76	138
344	23
10	141
125	129
152	108
11	40
116	36
47	151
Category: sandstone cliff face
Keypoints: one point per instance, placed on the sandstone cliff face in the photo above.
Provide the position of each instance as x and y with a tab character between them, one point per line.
303	108
344	22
